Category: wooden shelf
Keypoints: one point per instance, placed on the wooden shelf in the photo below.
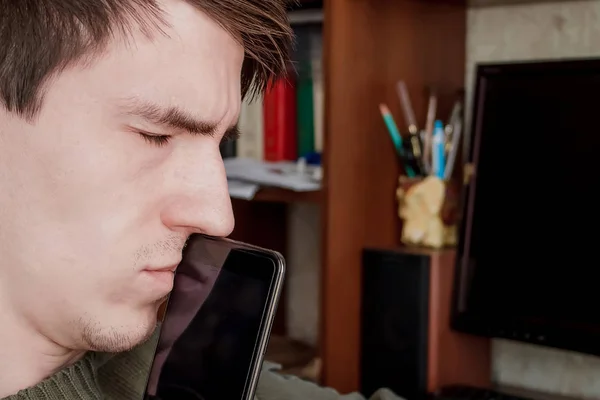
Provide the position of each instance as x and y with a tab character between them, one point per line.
305	4
419	41
423	43
490	3
278	195
309	16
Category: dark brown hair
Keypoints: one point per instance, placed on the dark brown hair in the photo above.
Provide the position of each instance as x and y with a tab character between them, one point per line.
40	38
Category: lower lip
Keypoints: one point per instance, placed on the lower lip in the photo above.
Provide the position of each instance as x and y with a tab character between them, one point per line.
162	278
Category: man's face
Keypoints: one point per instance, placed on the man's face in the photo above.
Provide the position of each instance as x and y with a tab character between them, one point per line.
88	204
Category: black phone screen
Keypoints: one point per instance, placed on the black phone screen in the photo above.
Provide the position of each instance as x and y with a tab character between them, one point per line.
213	323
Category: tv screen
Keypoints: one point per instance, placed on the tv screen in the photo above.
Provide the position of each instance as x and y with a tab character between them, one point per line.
528	256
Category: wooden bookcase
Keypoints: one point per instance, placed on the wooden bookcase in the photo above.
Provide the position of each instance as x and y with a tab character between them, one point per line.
368	46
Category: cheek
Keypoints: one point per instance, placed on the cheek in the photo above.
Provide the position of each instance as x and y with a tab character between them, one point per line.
76	201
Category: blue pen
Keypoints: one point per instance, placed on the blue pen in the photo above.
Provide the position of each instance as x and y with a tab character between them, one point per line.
395	135
438	150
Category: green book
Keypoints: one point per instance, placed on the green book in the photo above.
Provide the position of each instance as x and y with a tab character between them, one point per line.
305	111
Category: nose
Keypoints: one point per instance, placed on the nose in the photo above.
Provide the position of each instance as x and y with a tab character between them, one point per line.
198	198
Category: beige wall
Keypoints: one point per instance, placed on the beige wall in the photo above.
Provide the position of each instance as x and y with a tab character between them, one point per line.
533	31
303	272
515	32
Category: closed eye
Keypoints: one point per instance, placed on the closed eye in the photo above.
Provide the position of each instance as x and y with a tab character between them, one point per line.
157	140
231	134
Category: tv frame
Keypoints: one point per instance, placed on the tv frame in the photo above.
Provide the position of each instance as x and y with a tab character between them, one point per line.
581	338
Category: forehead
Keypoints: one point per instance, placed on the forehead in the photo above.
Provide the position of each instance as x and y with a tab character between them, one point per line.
195	65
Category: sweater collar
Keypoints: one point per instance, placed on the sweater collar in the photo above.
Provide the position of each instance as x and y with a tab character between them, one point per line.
78	381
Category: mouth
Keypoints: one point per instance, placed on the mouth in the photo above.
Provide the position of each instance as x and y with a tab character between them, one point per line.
162	277
170	268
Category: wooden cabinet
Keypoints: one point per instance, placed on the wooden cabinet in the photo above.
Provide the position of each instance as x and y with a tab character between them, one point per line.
368	46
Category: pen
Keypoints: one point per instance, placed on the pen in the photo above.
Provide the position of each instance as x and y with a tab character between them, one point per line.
438	150
454	116
411	121
431	111
409	115
395	135
456	131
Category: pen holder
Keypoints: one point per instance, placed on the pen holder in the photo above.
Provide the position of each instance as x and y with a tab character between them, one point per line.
428	208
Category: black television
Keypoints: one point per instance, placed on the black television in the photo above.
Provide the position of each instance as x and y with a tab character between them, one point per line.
528	253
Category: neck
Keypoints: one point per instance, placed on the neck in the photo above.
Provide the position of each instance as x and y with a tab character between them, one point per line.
28	357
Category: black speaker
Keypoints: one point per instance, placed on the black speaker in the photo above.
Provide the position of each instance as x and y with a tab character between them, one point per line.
407	344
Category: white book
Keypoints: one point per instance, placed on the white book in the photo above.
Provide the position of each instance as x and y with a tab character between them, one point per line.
251	126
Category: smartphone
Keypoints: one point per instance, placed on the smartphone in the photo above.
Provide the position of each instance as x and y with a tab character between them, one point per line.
217	321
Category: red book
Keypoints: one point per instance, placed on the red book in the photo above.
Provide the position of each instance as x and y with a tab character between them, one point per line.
279	112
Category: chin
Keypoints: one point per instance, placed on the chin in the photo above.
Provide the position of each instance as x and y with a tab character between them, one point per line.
122	334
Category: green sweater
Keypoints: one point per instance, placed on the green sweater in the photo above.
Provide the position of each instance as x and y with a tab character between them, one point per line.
123	377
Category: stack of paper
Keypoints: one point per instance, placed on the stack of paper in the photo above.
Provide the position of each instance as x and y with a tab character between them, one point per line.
245	176
242	190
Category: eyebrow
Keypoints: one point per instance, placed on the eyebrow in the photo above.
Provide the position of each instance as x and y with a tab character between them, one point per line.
177	118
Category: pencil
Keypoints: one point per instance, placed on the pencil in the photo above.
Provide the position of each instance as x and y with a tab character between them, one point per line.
396	138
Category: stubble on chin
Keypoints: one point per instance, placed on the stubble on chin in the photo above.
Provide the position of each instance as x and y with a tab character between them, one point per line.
103	339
